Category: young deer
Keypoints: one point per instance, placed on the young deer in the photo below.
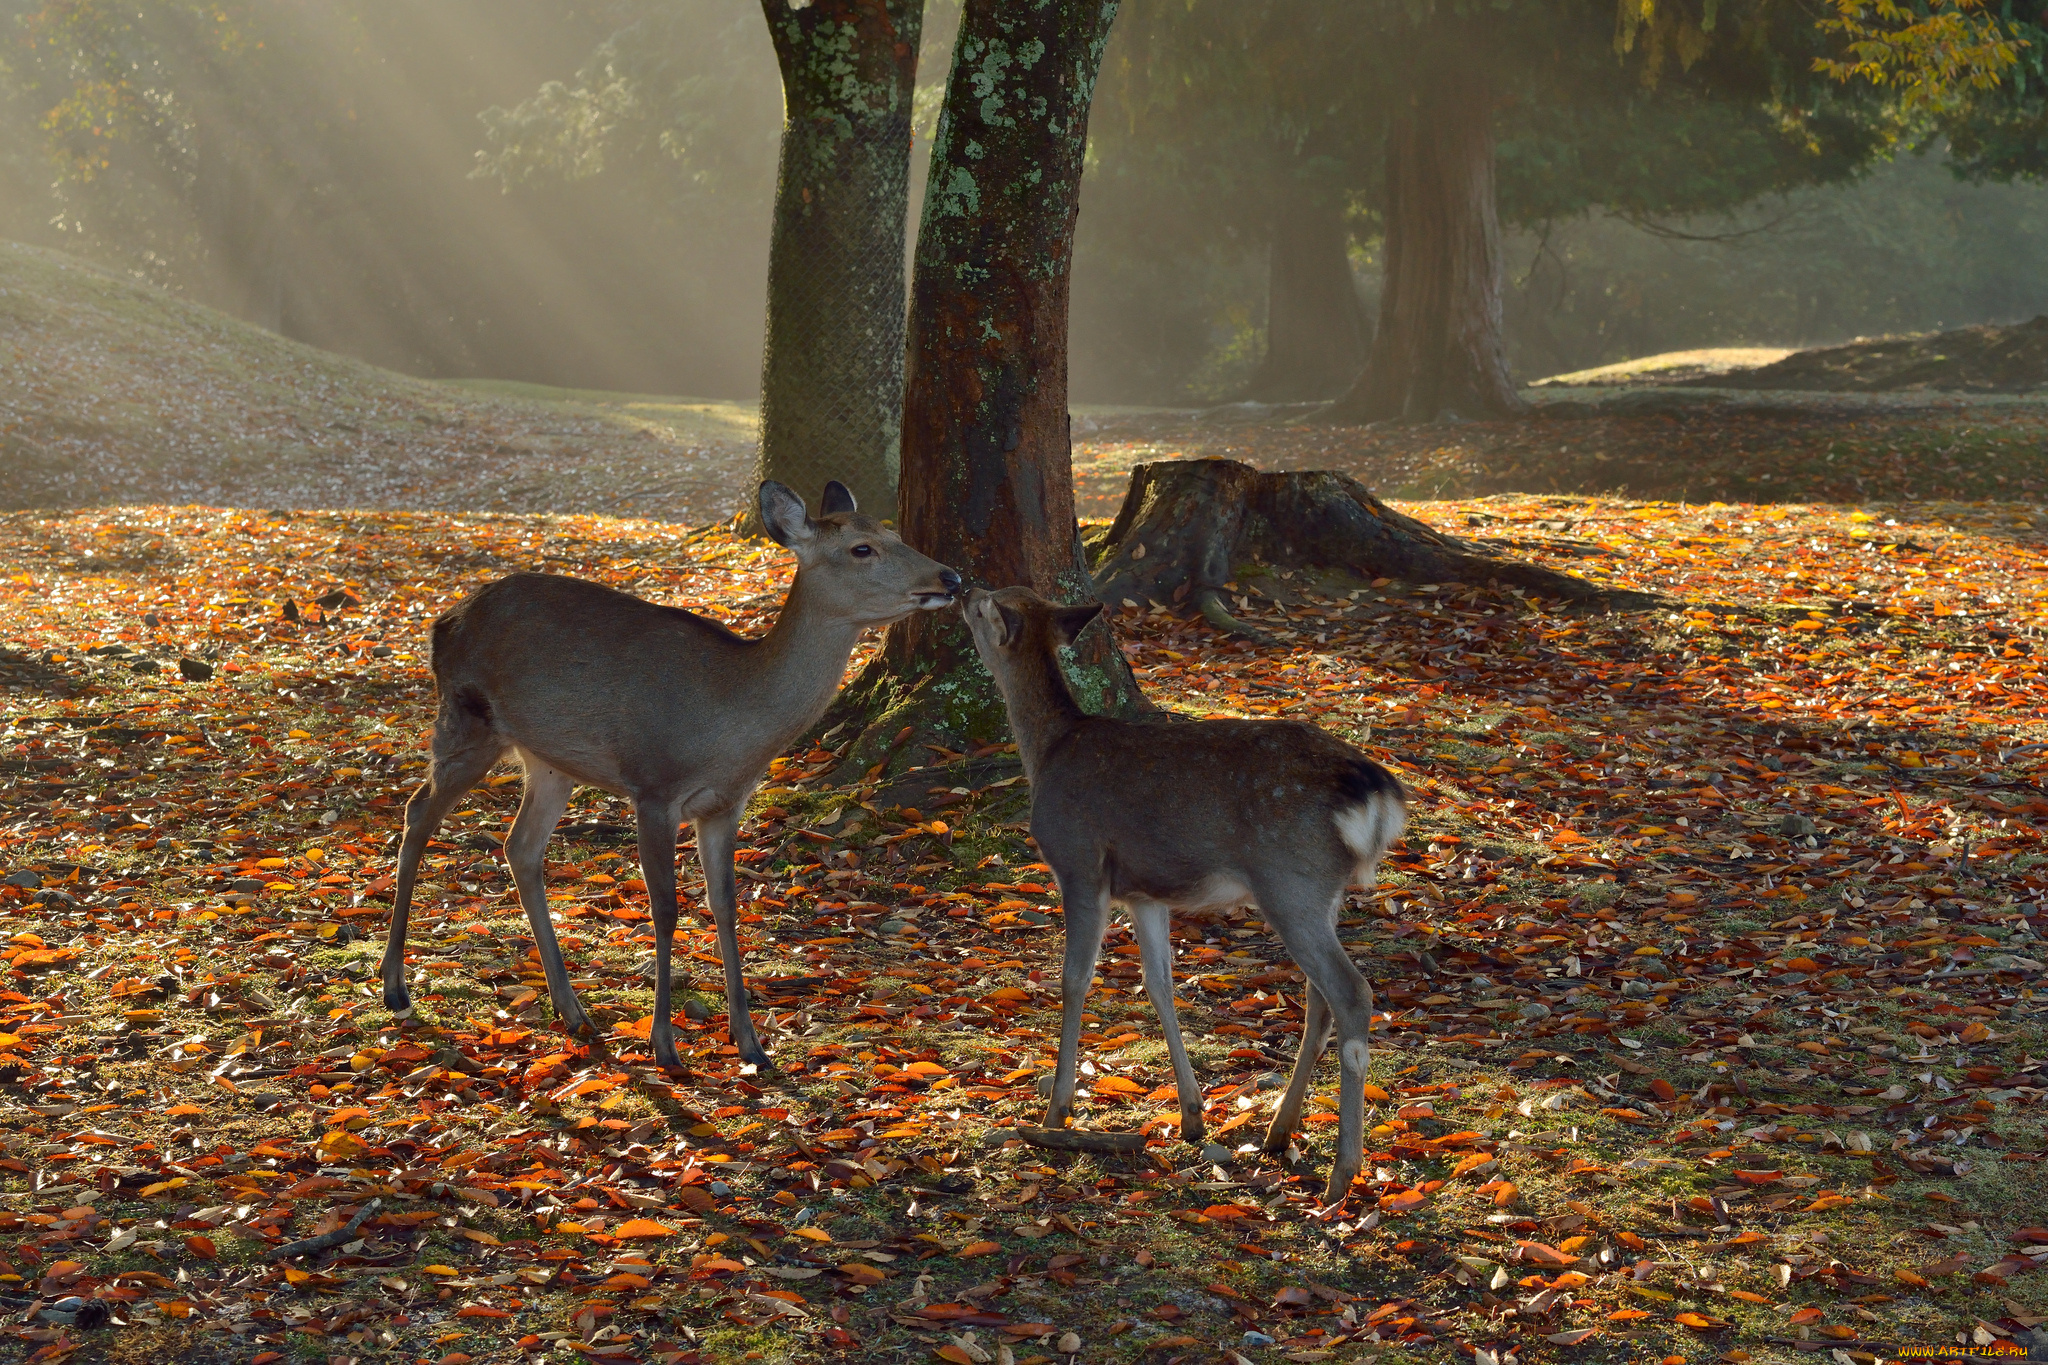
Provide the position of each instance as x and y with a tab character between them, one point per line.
594	687
1204	815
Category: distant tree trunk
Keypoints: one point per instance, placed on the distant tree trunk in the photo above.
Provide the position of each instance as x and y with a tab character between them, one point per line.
1316	328
1438	348
832	370
988	482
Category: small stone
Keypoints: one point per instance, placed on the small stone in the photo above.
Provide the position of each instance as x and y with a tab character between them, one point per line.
696	1011
1534	1009
1481	983
144	666
1636	990
1258	1339
381	651
895	926
1216	1152
1068	1343
1045	1085
22	878
1796	826
1270	1080
246	884
720	1189
195	671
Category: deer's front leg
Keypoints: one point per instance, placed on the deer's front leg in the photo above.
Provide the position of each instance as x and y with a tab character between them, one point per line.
1153	921
1086	905
717	836
658	868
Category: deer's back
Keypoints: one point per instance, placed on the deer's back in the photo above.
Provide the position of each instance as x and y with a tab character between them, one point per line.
578	672
1169	808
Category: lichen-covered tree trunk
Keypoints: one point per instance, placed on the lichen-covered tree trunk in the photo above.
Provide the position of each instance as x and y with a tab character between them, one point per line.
1316	328
832	371
987	481
1438	348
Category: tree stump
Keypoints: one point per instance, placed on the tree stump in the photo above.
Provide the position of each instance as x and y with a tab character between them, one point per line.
1186	525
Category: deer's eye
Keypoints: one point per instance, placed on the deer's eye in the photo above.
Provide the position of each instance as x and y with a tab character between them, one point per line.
863	551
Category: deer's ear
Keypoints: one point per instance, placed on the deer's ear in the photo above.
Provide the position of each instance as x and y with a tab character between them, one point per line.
1013	624
838	498
783	514
1071	621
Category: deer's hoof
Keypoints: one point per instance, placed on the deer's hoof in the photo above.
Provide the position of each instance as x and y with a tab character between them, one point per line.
397	1001
1192	1129
579	1026
1338	1187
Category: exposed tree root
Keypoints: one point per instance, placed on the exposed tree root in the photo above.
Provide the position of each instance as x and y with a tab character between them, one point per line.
1187	528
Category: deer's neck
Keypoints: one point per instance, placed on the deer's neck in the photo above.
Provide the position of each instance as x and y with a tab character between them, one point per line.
1042	708
799	662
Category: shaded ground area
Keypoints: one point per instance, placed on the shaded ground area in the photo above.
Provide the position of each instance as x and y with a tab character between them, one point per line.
1708	977
1659	443
1982	359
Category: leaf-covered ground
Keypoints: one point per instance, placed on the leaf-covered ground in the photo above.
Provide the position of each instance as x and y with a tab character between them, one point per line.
1708	970
112	391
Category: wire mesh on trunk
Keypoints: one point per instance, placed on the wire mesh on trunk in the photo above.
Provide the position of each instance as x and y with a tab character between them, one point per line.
832	373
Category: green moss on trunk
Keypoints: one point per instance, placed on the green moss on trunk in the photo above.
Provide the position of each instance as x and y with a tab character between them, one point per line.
987	476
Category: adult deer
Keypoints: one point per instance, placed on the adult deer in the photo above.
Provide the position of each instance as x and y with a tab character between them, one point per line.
1209	814
676	713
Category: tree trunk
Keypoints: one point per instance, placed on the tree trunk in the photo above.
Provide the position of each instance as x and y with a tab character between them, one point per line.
1189	529
832	369
1316	327
988	484
1438	349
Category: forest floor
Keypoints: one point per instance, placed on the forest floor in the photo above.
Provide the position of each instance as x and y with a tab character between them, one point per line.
1709	972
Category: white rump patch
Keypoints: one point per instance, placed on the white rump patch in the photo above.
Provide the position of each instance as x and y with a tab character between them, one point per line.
1369	828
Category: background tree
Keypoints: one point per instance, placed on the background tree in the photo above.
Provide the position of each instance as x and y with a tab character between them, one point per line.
1427	129
643	108
1440	346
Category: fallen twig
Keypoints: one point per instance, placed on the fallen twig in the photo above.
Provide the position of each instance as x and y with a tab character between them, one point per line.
1075	1140
326	1241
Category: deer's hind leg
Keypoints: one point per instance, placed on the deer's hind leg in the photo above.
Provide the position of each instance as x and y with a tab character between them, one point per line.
465	747
547	795
1315	1036
1304	914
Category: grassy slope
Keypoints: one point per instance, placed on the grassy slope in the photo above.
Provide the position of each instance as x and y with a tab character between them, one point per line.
113	391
